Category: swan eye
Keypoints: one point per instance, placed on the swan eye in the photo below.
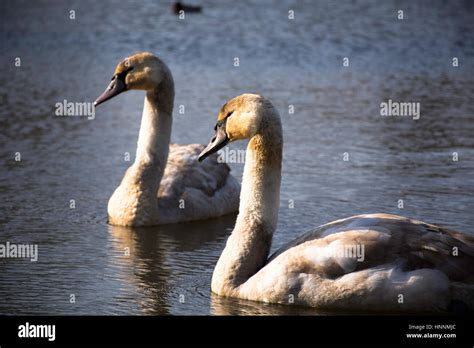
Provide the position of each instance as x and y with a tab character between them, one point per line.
229	113
219	124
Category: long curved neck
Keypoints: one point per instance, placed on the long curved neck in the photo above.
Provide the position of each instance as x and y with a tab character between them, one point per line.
154	136
247	248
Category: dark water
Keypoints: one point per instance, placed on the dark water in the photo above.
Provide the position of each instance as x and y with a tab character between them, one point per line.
297	62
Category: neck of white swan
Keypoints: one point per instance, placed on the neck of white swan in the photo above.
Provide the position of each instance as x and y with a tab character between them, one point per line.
247	248
154	136
155	132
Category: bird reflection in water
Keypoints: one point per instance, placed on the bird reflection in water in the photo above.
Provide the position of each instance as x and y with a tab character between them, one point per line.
163	262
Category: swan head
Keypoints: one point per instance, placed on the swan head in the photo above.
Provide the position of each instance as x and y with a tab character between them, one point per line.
242	117
142	71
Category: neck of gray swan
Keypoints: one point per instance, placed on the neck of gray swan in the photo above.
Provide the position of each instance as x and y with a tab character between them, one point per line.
155	135
248	247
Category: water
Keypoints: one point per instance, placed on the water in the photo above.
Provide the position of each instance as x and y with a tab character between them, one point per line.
295	62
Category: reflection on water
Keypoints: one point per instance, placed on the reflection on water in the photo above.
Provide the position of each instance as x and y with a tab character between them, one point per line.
337	110
156	262
231	306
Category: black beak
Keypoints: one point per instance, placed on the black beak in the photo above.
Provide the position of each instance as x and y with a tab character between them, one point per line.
219	140
116	86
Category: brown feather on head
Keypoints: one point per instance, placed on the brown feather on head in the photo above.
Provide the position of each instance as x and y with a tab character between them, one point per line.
142	71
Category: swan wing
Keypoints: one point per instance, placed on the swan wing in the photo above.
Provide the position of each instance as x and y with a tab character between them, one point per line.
190	190
371	240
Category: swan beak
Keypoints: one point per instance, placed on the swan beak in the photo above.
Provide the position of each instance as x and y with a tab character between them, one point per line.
116	86
219	140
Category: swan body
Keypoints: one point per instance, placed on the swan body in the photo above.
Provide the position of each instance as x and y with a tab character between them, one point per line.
165	184
374	262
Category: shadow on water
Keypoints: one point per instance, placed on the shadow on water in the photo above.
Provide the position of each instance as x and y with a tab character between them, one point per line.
159	257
